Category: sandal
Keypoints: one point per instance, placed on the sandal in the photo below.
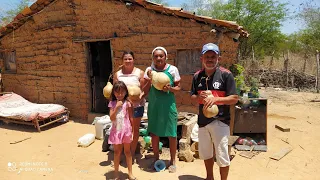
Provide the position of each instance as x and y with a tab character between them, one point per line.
134	178
231	157
172	169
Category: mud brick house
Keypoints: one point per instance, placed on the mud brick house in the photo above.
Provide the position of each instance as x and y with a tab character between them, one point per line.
62	51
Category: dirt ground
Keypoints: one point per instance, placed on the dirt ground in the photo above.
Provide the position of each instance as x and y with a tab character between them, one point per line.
53	153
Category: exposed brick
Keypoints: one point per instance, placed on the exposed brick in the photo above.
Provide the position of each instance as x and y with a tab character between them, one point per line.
49	63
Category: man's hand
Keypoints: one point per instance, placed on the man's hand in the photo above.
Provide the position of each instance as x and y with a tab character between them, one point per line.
203	95
209	101
166	88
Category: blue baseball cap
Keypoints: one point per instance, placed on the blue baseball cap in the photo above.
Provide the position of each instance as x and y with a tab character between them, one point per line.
210	47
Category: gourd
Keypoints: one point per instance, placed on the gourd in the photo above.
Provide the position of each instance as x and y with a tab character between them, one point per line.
159	80
134	92
107	90
210	111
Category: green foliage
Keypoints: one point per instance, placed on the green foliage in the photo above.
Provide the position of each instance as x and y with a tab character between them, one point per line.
7	16
306	40
261	18
241	86
238	72
236	69
309	36
254	87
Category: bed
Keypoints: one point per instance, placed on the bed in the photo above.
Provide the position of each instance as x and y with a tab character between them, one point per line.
14	108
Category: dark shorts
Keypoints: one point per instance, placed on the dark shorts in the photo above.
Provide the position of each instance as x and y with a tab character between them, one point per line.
138	112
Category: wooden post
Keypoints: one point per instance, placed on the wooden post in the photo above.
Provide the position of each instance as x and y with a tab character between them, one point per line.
271	61
318	73
286	67
232	116
292	81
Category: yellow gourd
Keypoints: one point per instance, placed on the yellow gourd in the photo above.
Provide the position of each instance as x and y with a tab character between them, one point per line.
134	92
107	90
210	111
159	80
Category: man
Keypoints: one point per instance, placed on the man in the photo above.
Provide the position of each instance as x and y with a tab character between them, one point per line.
214	132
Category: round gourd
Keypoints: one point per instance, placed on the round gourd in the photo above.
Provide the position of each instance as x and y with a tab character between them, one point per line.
159	80
134	92
210	111
107	90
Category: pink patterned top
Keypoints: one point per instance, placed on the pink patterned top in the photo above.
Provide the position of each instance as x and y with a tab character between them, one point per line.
121	131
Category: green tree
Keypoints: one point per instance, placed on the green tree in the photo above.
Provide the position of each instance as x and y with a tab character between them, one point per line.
7	16
310	35
261	18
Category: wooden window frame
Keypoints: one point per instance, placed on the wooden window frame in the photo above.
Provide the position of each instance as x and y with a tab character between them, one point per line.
5	69
185	68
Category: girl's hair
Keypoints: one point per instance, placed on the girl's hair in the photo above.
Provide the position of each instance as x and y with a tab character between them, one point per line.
117	87
127	52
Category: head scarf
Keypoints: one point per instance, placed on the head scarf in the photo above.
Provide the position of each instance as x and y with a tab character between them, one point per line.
158	48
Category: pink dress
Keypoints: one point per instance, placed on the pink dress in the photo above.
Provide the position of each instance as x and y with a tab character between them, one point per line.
121	131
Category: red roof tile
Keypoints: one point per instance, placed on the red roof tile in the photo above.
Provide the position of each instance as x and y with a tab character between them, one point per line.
177	12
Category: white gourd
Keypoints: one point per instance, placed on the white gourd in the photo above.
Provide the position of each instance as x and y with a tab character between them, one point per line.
159	80
134	92
107	90
210	111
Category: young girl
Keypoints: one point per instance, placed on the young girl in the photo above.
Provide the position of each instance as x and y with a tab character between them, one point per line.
121	114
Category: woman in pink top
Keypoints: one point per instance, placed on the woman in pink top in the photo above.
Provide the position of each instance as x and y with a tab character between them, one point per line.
132	76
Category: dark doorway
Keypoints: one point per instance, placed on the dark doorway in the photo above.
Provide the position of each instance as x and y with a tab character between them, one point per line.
100	59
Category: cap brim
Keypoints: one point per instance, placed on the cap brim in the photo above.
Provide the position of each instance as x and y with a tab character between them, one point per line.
203	52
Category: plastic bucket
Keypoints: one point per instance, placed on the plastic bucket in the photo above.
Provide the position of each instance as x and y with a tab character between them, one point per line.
159	165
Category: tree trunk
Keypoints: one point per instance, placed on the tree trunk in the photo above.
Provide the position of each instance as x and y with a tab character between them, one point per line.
252	54
239	55
254	64
271	61
305	63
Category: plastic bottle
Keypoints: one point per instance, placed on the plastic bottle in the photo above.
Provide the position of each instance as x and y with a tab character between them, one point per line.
245	142
253	142
245	98
262	142
86	140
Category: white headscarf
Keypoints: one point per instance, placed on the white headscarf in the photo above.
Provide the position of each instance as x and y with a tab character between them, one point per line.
158	48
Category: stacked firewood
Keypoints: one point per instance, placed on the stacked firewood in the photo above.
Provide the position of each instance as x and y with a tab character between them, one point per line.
279	78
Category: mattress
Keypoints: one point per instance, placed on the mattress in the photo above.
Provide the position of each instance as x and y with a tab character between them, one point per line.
14	106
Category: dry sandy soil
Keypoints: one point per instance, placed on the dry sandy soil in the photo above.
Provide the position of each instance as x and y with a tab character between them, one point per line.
53	153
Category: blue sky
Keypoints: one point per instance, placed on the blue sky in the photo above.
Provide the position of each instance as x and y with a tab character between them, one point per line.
289	26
